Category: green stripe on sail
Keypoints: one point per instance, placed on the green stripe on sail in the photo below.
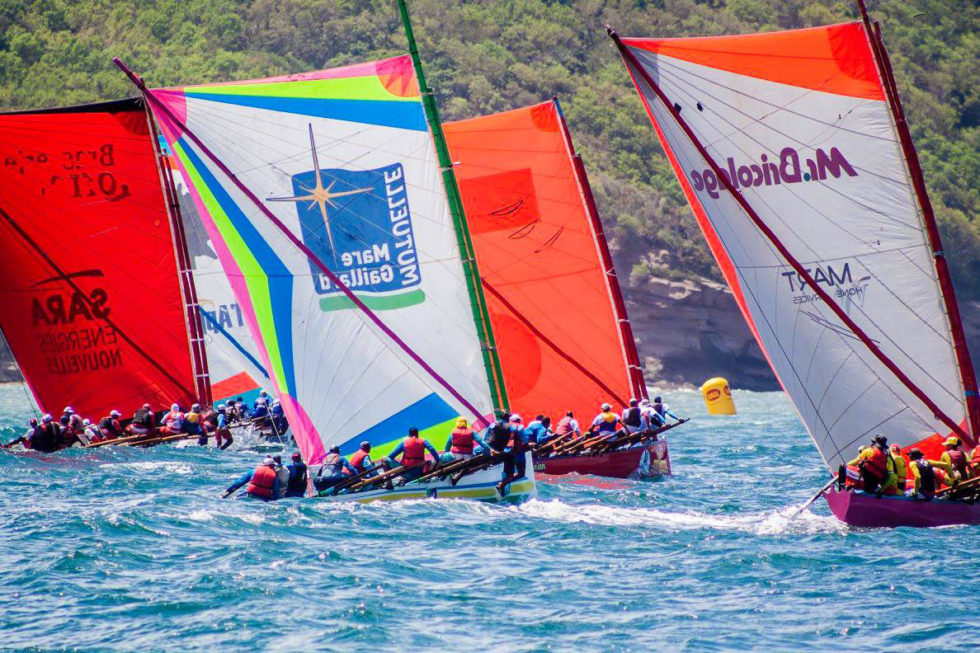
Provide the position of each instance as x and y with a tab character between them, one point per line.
344	88
380	303
252	272
436	435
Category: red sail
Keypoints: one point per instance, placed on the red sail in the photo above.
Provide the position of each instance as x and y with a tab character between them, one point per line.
92	308
551	303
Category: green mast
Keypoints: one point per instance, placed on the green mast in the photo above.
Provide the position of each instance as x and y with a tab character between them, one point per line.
478	302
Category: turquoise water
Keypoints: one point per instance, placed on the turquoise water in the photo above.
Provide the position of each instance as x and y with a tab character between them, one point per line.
134	549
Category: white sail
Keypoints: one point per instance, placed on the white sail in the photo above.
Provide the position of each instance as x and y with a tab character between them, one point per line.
799	123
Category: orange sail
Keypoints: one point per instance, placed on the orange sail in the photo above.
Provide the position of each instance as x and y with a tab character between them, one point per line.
557	316
92	306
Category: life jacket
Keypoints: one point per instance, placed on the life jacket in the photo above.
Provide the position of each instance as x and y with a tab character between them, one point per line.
94	433
564	426
193	417
297	479
927	477
334	463
957	460
660	409
414	454
357	461
632	419
462	441
877	464
499	436
110	426
607	423
143	417
263	480
209	417
901	471
175	420
47	439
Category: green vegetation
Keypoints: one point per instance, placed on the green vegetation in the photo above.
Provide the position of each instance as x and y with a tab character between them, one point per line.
486	56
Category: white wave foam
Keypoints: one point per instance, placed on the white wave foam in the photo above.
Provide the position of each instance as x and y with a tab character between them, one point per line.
776	522
149	466
200	515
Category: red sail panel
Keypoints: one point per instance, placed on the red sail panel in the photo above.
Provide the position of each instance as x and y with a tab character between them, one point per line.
92	308
551	308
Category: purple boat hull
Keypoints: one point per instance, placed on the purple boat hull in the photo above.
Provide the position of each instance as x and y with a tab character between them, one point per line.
860	509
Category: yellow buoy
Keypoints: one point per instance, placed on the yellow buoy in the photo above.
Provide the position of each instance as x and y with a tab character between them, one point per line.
718	397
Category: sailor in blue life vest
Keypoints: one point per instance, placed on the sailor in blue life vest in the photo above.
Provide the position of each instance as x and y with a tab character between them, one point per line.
538	430
278	416
923	477
260	413
333	465
263	482
263	398
463	441
515	460
633	418
660	413
26	438
298	473
497	436
412	450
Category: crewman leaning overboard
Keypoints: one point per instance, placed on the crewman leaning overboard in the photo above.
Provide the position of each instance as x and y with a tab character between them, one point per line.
953	461
923	477
263	482
412	450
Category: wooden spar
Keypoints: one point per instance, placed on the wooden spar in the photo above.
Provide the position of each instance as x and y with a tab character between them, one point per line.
638	386
967	376
294	239
785	253
188	292
478	302
85	298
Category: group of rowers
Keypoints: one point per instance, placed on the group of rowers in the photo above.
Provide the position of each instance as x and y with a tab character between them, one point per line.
508	437
881	470
49	434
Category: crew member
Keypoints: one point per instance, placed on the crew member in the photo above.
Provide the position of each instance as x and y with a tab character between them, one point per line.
263	482
606	422
222	431
660	413
26	438
463	440
49	437
283	475
633	418
143	422
72	421
110	425
334	464
923	477
173	422
91	433
498	434
953	460
515	460
360	460
412	450
278	417
567	426
901	469
193	424
297	481
877	470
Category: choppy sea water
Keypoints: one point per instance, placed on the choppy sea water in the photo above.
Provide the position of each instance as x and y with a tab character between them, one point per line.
135	549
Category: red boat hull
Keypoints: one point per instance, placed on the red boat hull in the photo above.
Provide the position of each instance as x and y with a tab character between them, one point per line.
627	463
860	509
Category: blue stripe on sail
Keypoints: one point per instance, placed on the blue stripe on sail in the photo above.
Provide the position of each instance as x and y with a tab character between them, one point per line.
220	329
402	115
279	278
427	411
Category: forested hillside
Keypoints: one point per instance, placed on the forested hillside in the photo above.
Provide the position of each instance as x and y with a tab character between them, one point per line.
489	56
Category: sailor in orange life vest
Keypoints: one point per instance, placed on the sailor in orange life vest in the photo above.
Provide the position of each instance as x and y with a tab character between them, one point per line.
413	450
975	461
263	482
360	462
462	441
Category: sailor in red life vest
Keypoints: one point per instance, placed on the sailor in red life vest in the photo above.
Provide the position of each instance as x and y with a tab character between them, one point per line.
413	450
360	461
878	469
263	482
463	440
954	461
173	422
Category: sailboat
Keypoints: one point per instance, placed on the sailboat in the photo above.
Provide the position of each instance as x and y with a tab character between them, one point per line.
98	301
794	154
556	310
335	220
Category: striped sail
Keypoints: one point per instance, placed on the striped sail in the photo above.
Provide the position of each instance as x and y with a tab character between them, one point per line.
345	160
799	123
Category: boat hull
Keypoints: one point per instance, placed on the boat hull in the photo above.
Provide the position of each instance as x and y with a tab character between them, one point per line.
641	461
479	486
865	510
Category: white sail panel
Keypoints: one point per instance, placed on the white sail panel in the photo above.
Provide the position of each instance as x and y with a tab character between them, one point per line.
345	160
799	123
